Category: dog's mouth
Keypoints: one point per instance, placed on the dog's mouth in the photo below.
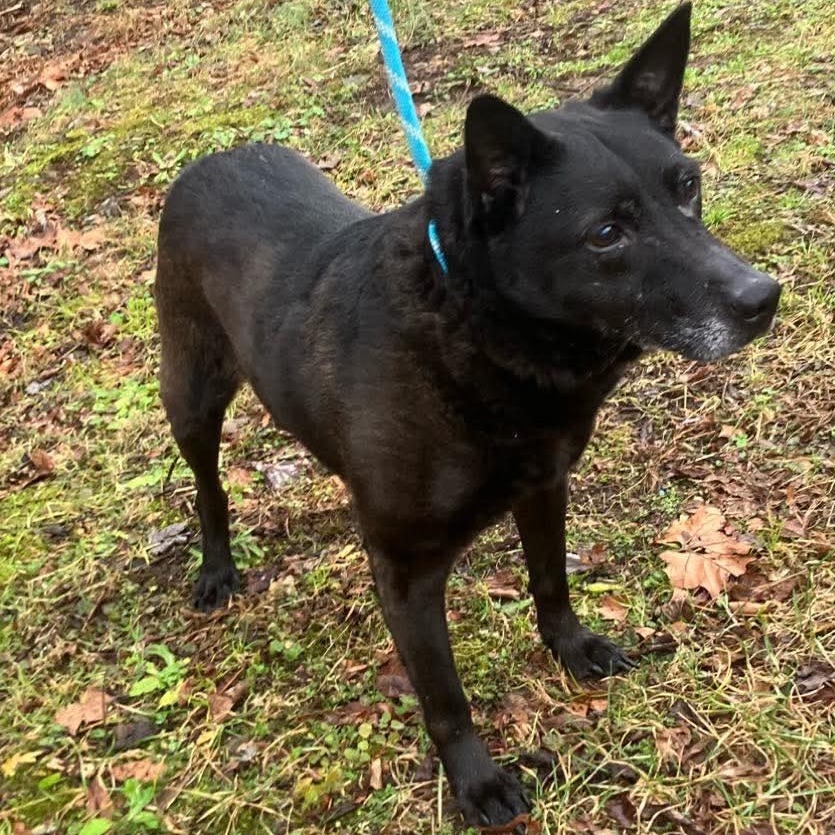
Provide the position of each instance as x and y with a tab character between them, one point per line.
710	340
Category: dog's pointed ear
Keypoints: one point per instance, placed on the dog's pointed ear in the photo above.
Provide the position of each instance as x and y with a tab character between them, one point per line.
652	79
501	146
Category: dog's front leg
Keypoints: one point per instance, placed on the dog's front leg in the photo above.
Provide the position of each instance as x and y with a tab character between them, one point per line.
412	596
540	518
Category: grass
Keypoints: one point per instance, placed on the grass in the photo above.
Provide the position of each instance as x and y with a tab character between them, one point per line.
711	735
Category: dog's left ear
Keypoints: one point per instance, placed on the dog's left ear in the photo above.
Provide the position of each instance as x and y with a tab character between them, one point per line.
652	79
501	147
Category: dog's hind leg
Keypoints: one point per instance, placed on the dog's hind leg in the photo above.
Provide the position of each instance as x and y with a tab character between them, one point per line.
198	379
540	519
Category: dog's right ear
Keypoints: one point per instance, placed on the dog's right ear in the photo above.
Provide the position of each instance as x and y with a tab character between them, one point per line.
501	146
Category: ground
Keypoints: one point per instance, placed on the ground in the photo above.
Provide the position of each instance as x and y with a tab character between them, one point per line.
126	711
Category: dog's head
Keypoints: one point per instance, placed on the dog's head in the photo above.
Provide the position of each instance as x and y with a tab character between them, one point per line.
591	214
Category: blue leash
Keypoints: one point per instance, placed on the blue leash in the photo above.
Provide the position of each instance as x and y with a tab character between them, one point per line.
399	86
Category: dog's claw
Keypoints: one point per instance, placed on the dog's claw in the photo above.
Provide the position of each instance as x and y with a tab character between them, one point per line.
587	655
487	796
214	588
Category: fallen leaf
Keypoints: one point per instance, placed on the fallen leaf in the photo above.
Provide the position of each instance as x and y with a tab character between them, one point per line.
671	742
426	770
793	529
98	332
710	555
16	115
89	710
221	704
815	681
392	679
160	542
232	428
132	734
596	555
146	771
329	161
41	461
521	823
622	811
98	799
756	587
278	475
502	586
748	608
239	476
11	765
704	531
24	248
483	39
54	74
258	580
611	608
585	704
711	572
89	240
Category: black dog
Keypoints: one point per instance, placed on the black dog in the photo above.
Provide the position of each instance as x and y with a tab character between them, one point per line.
574	244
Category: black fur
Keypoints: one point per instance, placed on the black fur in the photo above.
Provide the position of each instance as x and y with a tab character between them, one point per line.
574	243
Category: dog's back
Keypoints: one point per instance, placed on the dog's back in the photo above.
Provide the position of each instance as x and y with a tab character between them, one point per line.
231	214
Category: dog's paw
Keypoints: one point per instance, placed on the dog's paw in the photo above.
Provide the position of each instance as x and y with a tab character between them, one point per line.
214	588
492	798
587	655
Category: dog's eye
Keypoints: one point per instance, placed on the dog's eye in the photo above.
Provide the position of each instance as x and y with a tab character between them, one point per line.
605	236
689	188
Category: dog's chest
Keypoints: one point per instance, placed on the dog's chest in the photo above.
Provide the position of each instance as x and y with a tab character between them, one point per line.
466	496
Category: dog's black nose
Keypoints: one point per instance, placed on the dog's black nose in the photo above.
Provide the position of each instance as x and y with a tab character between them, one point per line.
755	300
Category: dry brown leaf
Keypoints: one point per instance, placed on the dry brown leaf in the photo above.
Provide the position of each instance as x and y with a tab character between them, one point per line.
16	115
89	710
24	248
393	680
54	74
99	802
622	811
41	461
757	588
239	476
502	586
133	734
793	529
816	681
704	530
89	240
99	333
611	608
521	823
584	705
483	39
710	554
258	580
671	742
711	572
222	704
146	771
